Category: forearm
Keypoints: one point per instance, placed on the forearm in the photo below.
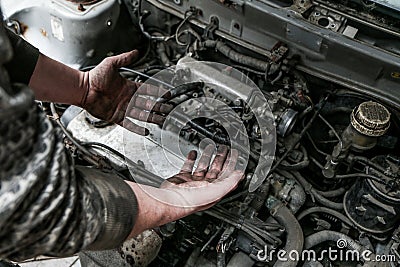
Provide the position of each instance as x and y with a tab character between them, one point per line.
151	212
46	207
50	80
158	206
53	81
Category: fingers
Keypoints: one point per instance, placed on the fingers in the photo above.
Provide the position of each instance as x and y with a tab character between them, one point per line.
151	90
143	108
171	182
189	163
222	188
151	105
229	165
179	178
185	175
143	115
204	162
218	163
124	59
199	194
230	182
133	127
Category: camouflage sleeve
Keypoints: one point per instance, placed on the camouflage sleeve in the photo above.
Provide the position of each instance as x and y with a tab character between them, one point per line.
47	207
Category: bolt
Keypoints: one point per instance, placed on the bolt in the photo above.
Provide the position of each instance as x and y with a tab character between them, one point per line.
81	7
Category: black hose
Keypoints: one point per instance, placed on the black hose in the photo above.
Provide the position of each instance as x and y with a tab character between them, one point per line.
294	233
333	193
153	68
141	74
331	212
261	73
88	155
342	241
294	167
237	224
326	235
219	138
221	259
162	53
186	88
263	229
370	163
326	202
236	56
297	166
139	172
147	77
360	175
181	90
142	16
318	197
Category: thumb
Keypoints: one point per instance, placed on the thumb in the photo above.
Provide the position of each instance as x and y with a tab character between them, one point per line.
124	59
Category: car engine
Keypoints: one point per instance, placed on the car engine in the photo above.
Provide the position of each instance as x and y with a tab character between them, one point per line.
307	90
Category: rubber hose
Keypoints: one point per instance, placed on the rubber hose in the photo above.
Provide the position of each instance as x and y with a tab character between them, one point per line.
236	56
294	233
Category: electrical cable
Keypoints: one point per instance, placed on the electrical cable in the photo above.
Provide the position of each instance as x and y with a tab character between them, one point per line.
134	72
302	133
360	175
191	31
332	129
142	17
89	156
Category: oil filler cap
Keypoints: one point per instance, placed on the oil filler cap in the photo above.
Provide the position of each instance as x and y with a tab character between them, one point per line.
371	119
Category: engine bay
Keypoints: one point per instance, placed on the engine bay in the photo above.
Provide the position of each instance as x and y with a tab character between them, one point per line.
306	90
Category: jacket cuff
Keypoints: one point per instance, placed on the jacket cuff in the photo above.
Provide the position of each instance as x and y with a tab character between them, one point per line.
24	60
119	208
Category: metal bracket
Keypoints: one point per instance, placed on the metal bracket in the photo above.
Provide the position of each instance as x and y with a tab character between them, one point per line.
209	31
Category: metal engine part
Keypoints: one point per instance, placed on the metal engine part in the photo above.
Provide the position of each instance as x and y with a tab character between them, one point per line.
371	119
368	121
391	4
72	32
321	74
261	25
373	206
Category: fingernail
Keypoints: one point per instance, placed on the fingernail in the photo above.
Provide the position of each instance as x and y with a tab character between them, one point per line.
223	148
192	155
167	95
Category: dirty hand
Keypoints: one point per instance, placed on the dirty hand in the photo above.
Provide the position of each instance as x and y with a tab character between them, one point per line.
189	191
109	94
